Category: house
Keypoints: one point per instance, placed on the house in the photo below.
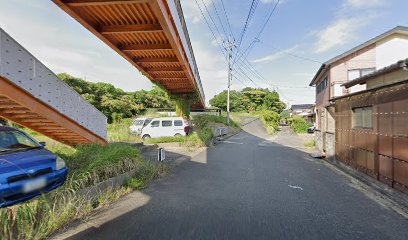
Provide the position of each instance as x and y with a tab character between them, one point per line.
364	59
304	110
370	131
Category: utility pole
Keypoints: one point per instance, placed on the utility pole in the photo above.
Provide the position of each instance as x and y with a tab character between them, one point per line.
230	46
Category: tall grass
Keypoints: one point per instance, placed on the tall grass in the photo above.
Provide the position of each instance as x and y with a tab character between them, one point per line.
120	132
88	165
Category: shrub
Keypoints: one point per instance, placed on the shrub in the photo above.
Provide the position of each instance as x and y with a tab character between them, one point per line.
270	119
299	124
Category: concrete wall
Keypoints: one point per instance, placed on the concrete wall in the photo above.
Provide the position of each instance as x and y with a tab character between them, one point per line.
28	73
391	49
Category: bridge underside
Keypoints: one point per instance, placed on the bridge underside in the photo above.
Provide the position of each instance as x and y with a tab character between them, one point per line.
24	109
144	33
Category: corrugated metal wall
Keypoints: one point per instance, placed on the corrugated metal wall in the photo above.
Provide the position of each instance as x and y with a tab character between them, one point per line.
382	151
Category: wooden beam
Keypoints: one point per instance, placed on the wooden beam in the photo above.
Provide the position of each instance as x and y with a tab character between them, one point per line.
165	69
139	28
80	3
143	47
175	79
15	110
168	76
155	60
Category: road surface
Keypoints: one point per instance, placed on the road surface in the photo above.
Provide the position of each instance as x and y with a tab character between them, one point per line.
250	187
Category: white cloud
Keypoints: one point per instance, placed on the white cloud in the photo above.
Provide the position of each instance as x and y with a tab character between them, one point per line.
192	11
275	56
338	33
364	3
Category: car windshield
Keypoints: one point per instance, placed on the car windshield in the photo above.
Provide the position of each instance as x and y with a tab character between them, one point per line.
16	141
138	122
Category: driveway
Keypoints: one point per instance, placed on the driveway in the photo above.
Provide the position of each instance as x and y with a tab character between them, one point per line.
251	186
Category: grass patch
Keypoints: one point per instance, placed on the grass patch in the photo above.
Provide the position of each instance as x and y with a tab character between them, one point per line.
88	165
120	132
299	124
310	144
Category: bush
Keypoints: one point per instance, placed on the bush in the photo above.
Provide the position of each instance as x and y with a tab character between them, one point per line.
201	121
299	124
120	132
270	119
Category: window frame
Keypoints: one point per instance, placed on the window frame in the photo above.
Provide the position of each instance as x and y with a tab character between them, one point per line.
181	121
362	111
158	123
170	121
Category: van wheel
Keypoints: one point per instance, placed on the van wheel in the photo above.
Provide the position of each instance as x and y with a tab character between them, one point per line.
177	135
146	137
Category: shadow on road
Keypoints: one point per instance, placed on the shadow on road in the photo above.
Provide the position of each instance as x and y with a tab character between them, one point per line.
247	187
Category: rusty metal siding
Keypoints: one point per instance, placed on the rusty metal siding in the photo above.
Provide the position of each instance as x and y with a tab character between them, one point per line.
382	151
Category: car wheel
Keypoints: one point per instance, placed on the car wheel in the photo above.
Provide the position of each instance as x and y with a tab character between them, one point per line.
146	137
177	135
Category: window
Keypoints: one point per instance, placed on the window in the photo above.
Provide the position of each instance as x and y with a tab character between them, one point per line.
363	117
178	123
155	124
356	73
138	122
167	123
15	140
322	85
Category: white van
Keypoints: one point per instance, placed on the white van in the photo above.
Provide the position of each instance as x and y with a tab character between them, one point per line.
166	127
138	124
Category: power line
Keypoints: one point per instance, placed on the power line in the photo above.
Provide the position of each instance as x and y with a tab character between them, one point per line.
212	32
257	37
219	18
291	54
226	16
212	20
251	12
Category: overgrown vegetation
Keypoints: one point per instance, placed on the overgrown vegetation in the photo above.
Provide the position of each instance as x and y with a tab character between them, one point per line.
299	124
119	131
249	100
88	165
115	103
311	143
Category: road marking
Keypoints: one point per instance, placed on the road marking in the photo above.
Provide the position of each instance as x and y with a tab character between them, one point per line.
295	187
232	142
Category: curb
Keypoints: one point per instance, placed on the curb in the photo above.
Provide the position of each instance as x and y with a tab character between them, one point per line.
376	190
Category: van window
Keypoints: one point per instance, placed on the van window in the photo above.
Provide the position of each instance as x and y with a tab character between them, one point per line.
178	123
138	122
146	122
155	124
168	123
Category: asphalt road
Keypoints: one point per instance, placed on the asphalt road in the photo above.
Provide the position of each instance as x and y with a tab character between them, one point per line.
251	188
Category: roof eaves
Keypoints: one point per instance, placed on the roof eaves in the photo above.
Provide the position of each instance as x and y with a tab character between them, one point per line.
313	82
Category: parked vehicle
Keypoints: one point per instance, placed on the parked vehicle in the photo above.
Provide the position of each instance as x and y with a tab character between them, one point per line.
311	129
138	124
27	169
166	127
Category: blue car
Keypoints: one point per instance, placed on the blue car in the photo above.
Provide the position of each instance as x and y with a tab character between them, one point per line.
27	169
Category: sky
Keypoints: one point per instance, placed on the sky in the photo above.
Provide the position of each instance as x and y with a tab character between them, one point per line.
298	38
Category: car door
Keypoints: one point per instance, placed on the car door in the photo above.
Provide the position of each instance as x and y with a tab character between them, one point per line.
154	130
167	127
178	127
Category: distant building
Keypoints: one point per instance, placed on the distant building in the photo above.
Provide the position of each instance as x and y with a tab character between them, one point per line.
303	110
364	59
371	125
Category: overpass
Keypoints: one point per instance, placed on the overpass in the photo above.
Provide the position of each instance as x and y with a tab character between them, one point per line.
33	96
150	34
